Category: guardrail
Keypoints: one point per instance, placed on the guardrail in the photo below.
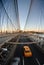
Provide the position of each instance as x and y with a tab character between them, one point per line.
38	39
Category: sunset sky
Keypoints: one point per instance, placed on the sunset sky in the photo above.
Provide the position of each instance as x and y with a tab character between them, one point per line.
35	19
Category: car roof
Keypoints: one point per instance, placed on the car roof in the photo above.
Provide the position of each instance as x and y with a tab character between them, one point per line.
27	48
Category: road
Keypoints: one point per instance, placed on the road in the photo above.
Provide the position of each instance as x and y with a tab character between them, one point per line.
36	59
38	54
20	41
6	37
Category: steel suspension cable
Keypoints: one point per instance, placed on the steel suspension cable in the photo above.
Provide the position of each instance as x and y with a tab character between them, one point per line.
7	14
28	13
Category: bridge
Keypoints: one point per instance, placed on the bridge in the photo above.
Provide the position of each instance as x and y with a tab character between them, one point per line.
13	38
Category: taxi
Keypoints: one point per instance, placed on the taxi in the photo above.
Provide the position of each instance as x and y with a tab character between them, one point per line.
27	51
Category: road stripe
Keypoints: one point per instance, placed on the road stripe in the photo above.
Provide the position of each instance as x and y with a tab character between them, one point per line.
38	61
23	60
43	64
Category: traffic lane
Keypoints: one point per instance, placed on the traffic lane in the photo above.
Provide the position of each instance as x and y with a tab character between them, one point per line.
37	54
19	53
24	39
3	39
6	37
19	50
30	61
27	61
14	39
6	53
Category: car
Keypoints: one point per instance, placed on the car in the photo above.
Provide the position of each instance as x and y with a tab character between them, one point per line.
27	51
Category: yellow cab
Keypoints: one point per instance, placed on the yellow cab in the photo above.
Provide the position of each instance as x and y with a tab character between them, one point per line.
27	51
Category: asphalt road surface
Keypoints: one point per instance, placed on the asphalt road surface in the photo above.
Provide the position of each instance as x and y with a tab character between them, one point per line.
37	57
37	53
5	37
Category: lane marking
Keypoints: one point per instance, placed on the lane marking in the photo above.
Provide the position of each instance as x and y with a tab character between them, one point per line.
38	61
23	60
43	64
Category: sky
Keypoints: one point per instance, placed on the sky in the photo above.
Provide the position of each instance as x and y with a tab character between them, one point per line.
23	6
35	19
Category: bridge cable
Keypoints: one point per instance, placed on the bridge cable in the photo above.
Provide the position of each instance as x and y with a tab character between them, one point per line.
28	13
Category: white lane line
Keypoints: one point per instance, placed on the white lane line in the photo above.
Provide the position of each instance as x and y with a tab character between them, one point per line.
43	64
23	60
38	61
